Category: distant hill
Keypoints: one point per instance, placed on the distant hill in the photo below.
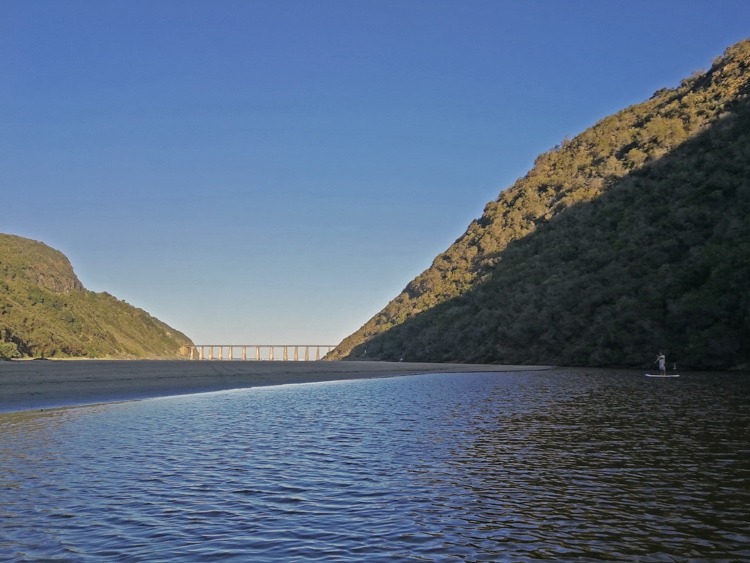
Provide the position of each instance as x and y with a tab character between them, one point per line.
46	312
630	239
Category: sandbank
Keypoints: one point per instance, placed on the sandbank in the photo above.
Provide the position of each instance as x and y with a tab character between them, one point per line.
33	384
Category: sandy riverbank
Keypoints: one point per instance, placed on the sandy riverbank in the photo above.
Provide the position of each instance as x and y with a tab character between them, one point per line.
26	385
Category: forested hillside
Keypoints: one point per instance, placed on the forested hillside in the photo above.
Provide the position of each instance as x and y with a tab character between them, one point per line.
46	312
631	238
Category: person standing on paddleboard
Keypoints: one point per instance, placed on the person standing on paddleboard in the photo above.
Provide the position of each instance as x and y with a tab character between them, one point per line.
662	360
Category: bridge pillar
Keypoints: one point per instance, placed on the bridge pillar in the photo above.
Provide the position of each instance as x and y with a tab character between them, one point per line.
217	352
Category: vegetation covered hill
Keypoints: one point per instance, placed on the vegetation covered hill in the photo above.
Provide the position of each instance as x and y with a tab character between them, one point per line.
46	312
631	238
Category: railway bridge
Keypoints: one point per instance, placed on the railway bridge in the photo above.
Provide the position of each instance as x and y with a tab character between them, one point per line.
261	351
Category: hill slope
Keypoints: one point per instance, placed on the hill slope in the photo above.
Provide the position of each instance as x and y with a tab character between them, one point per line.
632	237
46	312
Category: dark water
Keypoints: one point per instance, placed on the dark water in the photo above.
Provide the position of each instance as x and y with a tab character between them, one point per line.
586	466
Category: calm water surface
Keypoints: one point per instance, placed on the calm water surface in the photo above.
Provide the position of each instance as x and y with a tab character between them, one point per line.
559	465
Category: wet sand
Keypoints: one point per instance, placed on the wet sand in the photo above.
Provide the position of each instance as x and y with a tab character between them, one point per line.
41	384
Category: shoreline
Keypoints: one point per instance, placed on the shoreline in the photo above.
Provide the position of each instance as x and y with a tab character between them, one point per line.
34	385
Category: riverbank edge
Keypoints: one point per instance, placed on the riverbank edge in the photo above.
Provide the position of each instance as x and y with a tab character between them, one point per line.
35	385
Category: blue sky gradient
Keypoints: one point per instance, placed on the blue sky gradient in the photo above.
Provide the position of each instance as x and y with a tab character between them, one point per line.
277	171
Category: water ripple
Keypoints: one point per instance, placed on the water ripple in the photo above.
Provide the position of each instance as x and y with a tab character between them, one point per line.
584	465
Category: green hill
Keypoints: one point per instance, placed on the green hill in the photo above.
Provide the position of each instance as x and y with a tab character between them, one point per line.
46	312
631	238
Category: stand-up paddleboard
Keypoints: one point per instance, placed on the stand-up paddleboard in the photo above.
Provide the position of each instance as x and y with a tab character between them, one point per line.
659	375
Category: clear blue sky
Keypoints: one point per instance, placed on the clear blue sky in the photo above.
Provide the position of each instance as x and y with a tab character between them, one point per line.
276	171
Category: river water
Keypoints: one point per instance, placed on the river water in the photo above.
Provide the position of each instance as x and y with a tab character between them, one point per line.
585	465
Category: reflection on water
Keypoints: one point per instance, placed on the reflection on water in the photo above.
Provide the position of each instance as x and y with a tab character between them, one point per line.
587	465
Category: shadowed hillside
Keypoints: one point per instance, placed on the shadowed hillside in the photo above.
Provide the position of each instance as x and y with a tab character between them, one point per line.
46	312
632	237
